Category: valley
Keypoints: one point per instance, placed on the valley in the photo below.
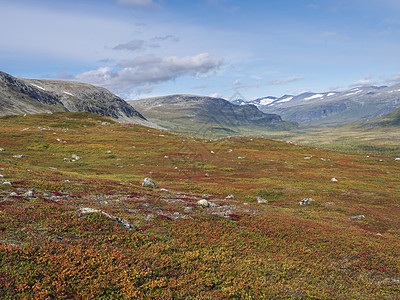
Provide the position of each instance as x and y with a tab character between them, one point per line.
224	222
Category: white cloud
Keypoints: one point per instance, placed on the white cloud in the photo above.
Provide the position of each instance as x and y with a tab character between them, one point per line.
238	84
148	70
367	80
215	95
130	46
394	79
284	80
140	3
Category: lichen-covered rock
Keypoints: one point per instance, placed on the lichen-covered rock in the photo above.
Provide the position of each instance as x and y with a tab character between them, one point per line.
359	217
75	157
261	200
306	201
149	182
203	203
29	194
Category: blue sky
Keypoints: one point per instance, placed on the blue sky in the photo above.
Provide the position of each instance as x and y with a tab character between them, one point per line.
144	48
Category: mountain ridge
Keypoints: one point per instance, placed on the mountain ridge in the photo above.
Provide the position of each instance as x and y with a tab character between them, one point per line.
332	108
26	96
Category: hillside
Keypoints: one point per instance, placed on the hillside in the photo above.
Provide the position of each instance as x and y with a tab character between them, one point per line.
332	108
207	116
75	222
27	96
388	120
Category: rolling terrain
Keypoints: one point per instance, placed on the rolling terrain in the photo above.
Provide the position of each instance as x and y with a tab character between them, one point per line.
76	223
207	116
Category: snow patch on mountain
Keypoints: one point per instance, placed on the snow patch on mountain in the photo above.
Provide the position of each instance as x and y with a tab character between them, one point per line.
356	91
266	101
39	87
317	96
285	99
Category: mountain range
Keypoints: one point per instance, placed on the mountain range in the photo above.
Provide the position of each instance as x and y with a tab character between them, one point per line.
332	108
207	115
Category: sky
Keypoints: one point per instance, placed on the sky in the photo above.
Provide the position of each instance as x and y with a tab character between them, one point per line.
224	48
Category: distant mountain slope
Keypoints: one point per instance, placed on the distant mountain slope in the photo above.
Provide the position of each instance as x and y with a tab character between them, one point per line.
27	96
188	113
332	108
390	119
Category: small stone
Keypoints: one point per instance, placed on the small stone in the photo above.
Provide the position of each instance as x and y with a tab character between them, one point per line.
164	190
203	203
207	175
397	159
1	176
125	223
306	201
206	195
7	182
88	210
188	209
19	156
230	197
13	194
29	194
2	149
212	152
108	151
261	200
76	157
149	182
308	157
358	217
67	159
334	179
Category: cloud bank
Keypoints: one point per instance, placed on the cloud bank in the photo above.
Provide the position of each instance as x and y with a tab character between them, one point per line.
150	70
